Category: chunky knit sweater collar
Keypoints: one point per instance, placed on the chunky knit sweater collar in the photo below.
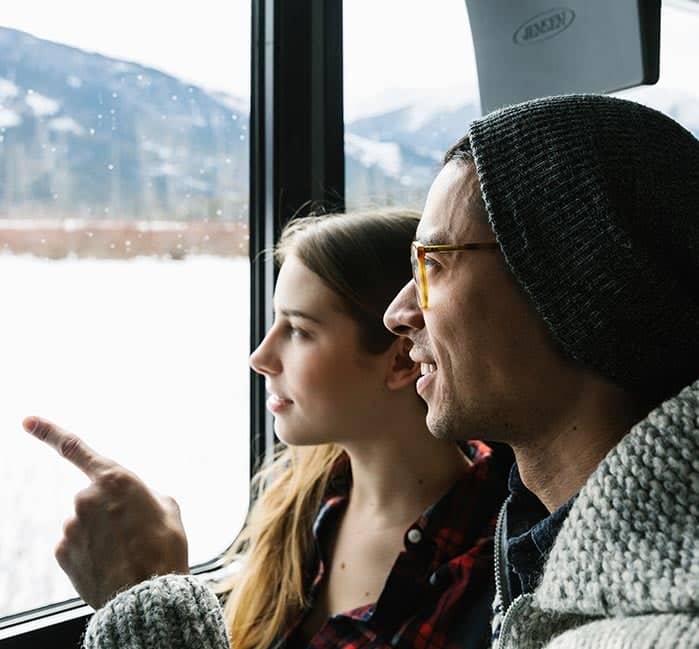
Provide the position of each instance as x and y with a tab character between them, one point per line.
630	544
624	569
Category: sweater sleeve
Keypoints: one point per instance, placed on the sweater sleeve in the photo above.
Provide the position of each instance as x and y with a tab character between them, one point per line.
658	631
168	612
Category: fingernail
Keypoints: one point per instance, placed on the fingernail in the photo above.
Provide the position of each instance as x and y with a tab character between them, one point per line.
30	424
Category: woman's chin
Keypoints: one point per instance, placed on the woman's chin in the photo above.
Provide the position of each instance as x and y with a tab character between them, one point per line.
292	437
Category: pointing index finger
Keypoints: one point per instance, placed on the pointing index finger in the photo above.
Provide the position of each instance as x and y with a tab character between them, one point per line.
69	446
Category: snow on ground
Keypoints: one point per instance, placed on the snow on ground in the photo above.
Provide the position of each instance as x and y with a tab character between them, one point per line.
385	155
9	118
147	360
40	104
66	125
8	90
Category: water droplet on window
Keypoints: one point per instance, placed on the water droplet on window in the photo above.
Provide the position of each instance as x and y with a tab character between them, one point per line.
219	212
90	234
201	171
112	111
55	196
92	131
43	241
53	149
115	95
242	137
106	210
206	237
112	246
127	243
234	116
228	161
110	167
174	97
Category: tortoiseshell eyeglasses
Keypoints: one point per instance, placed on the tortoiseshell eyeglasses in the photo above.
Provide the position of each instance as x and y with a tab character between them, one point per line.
417	259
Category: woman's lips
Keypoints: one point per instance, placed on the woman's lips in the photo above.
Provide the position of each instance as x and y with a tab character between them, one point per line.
277	404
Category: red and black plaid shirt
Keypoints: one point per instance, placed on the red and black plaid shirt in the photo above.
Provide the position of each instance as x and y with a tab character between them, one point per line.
439	592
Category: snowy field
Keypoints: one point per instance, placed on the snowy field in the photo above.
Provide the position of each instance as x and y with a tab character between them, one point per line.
147	360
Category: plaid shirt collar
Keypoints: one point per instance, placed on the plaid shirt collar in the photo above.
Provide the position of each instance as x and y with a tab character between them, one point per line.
443	547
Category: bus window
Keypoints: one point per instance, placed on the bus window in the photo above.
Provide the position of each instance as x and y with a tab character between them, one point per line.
123	251
410	90
676	94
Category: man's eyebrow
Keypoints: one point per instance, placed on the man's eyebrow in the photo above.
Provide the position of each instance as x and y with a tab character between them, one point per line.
433	239
295	313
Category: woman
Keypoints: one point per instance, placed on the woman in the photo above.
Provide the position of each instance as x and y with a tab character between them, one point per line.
365	529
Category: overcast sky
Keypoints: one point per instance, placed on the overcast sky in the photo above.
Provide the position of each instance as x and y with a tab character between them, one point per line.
392	47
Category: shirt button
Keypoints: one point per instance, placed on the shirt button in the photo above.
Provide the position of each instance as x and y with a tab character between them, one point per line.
414	536
433	579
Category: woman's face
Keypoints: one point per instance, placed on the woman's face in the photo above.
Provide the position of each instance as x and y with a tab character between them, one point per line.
322	386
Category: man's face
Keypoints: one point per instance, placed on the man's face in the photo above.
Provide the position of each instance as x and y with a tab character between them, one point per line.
490	369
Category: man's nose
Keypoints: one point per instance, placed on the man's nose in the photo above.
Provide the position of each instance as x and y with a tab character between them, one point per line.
403	314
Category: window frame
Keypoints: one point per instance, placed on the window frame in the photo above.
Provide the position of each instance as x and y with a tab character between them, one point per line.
296	105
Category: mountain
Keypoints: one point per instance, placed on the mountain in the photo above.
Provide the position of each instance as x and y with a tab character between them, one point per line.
398	152
90	136
85	135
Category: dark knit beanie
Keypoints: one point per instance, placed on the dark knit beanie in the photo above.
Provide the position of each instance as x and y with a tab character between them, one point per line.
595	203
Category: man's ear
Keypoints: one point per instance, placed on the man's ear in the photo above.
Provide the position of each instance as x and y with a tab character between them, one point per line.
402	370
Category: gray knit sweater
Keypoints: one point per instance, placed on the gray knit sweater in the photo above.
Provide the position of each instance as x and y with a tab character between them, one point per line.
623	572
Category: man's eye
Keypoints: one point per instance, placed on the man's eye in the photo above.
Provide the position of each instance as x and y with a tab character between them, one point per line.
430	262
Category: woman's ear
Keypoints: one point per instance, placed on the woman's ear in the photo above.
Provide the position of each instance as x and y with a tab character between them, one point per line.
402	370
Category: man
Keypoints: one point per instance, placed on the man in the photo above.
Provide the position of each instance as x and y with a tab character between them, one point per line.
557	341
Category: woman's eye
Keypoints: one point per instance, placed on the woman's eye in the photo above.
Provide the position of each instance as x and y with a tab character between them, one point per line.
295	332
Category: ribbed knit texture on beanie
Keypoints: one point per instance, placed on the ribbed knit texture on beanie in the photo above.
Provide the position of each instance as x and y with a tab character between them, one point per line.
595	203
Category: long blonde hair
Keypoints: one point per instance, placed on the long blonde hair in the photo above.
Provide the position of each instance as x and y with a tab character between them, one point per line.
364	258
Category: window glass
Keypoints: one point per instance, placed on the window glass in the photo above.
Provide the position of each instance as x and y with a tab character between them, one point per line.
123	256
676	94
410	90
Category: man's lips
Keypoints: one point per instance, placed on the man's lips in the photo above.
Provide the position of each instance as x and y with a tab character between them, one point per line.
427	364
428	371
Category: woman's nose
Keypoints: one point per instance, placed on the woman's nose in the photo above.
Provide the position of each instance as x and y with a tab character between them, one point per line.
264	360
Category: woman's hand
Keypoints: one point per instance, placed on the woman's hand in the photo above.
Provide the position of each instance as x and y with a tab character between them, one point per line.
122	533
